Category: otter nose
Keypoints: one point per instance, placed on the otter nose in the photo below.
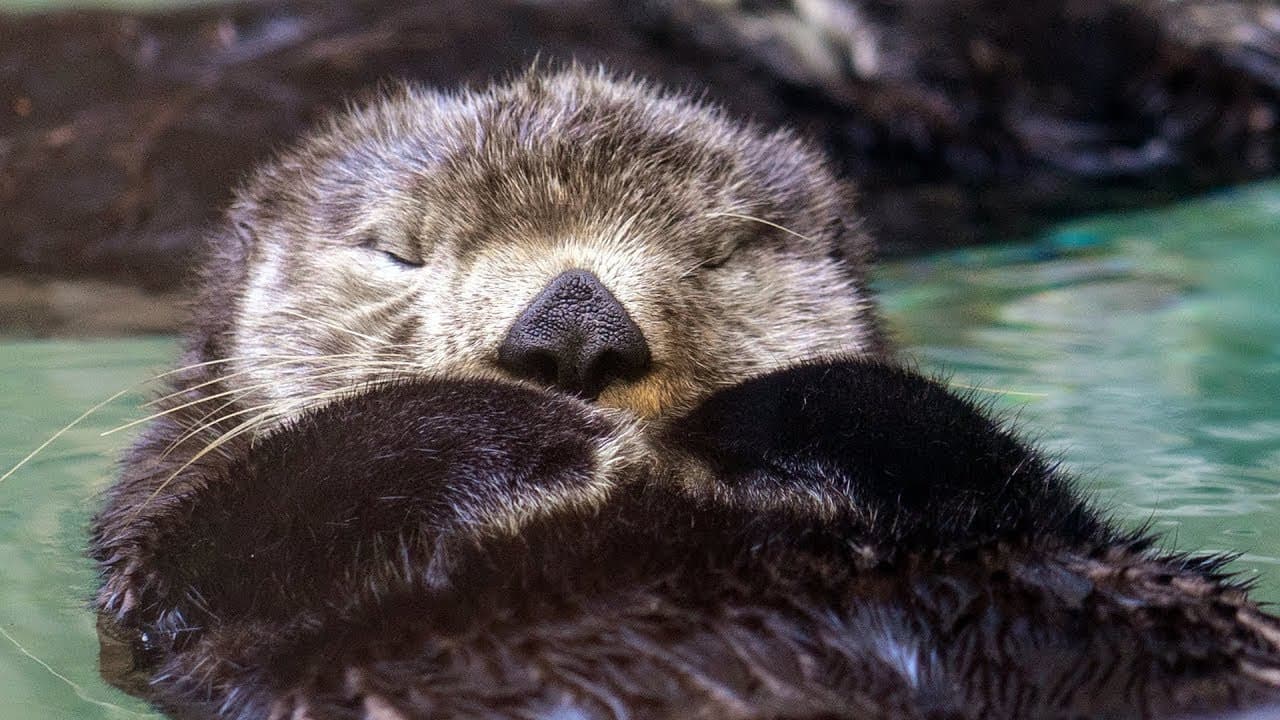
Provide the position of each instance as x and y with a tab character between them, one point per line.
576	336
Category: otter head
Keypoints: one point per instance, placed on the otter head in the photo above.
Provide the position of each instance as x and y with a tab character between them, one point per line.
578	232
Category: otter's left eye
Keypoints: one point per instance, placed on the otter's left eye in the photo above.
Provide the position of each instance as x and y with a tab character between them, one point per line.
401	261
720	259
395	257
723	256
716	262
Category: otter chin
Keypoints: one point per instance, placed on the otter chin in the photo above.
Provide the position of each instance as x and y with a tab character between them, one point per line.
567	398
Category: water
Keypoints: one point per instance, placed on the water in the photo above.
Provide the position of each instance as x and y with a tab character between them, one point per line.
45	583
1143	349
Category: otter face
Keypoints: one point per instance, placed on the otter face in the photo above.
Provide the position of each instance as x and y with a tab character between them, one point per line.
572	231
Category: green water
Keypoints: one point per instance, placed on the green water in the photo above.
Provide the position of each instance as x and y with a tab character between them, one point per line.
1143	349
45	584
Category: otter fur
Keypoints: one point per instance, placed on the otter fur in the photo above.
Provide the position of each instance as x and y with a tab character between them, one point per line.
567	399
419	227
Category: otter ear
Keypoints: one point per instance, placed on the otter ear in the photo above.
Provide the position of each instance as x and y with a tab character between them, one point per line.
853	245
231	242
222	267
238	235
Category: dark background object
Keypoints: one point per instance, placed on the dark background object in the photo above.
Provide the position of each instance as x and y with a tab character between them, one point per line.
121	134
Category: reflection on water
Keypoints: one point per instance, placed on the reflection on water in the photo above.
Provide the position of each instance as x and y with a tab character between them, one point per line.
1143	349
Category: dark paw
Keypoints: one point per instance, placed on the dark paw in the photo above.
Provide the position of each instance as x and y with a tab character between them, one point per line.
887	444
364	490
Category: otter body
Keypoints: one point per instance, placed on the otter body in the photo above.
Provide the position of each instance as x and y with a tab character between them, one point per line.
566	399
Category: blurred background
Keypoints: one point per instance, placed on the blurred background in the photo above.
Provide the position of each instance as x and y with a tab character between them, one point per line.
1074	202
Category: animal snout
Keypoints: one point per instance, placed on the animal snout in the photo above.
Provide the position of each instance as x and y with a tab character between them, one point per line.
575	336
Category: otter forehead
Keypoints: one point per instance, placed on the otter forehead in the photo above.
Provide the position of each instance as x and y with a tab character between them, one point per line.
451	234
540	158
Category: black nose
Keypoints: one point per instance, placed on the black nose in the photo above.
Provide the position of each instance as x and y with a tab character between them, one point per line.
576	336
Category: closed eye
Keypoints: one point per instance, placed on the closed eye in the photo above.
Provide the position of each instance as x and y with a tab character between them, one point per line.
401	261
718	261
725	254
711	263
373	246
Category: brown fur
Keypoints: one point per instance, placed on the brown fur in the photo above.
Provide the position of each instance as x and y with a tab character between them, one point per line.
349	509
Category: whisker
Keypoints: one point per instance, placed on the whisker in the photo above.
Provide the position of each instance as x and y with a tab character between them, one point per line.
999	391
79	691
213	423
330	371
174	445
240	392
187	368
98	407
331	325
210	447
192	433
762	221
289	360
64	430
192	366
223	361
696	265
248	425
176	408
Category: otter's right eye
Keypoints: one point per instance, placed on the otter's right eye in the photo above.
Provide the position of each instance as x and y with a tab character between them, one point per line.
397	258
403	262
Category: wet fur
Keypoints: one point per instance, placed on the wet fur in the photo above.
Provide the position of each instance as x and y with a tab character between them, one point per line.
951	572
374	521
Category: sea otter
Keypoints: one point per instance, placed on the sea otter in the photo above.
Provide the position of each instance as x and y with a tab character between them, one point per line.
567	398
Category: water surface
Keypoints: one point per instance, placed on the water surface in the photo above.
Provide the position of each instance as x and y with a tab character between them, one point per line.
45	583
1143	349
